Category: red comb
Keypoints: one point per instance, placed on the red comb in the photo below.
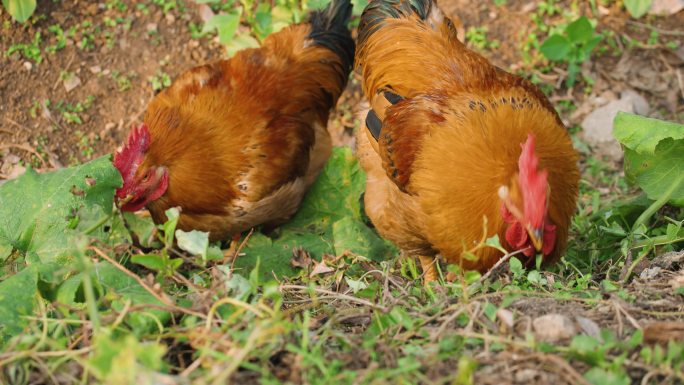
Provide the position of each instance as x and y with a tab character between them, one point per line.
130	156
533	184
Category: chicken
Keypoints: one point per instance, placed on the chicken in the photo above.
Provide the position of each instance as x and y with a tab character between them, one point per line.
236	143
455	149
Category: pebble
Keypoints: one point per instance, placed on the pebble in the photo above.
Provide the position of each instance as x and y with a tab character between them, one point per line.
598	125
553	328
71	82
28	65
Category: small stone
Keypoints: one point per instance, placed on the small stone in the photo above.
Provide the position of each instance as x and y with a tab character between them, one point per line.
71	82
109	126
598	125
151	27
170	19
640	103
553	328
95	69
106	72
650	273
28	65
589	327
506	317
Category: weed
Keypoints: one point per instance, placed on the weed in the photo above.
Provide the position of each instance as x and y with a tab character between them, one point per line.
29	51
159	81
573	46
477	37
123	82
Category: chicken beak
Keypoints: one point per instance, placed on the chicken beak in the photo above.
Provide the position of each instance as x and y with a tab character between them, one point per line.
536	235
126	199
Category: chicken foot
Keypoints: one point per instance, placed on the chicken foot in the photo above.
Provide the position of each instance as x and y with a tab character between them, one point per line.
427	263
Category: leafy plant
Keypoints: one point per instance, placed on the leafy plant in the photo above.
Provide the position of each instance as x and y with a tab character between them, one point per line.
328	221
20	10
160	80
573	46
29	51
654	160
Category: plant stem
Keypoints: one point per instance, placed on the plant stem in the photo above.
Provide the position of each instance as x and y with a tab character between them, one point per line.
655	206
99	223
90	294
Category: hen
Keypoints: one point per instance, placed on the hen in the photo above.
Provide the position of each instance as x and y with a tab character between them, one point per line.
457	150
236	143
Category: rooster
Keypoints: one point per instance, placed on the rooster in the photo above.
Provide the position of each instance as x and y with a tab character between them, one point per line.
455	149
236	143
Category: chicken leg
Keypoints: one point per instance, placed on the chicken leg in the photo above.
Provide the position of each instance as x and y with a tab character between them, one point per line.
427	263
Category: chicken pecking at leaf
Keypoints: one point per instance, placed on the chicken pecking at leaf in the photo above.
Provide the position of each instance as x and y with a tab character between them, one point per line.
237	143
455	149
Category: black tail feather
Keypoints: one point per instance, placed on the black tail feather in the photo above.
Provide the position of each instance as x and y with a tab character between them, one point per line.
329	29
378	10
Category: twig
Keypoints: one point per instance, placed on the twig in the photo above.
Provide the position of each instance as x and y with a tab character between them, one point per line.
142	283
25	148
652	28
489	272
239	248
335	295
16	124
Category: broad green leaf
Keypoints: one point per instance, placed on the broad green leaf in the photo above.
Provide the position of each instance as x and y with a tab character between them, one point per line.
328	221
350	234
580	30
263	25
240	42
654	155
516	266
194	242
124	360
556	47
598	376
656	174
638	8
39	212
18	295
20	10
225	24
359	6
150	261
143	228
643	134
119	287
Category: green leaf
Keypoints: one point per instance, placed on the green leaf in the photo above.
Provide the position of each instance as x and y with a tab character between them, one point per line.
643	134
124	360
18	295
516	266
120	287
38	211
240	42
20	10
263	25
638	8
598	376
580	30
350	234
556	47
654	155
328	221
194	242
226	24
150	261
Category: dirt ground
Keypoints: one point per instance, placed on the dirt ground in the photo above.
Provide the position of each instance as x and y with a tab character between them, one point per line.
115	67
